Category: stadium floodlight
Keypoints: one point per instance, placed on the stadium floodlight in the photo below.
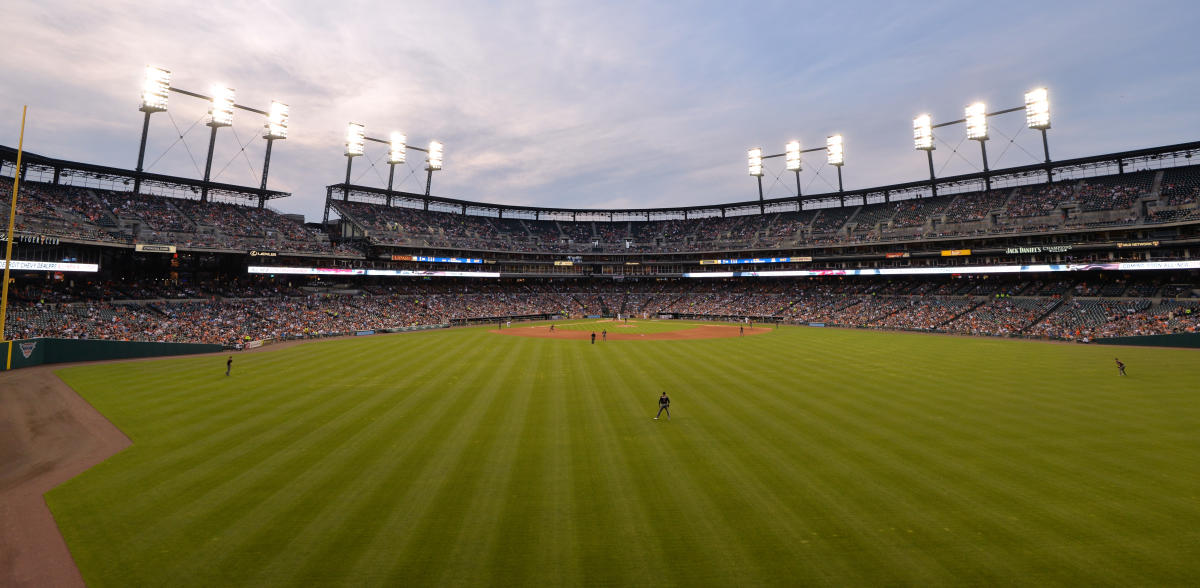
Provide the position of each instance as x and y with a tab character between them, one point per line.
398	148
277	121
835	150
220	114
155	87
792	156
923	133
435	155
976	115
1037	109
754	160
276	128
356	138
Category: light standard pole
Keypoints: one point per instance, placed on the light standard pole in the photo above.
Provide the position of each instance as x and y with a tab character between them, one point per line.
754	159
220	114
1037	116
356	136
276	128
923	141
434	163
977	130
396	154
835	155
791	153
156	86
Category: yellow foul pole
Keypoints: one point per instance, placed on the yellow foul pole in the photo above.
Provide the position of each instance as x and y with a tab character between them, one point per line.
12	220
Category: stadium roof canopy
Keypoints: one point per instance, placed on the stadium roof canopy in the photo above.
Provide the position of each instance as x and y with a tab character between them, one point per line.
1073	169
39	168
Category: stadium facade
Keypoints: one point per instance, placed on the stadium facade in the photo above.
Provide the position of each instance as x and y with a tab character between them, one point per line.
1087	248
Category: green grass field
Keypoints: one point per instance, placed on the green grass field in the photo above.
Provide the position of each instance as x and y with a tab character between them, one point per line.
800	456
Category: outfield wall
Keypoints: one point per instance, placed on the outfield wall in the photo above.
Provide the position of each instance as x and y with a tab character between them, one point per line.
1173	340
30	352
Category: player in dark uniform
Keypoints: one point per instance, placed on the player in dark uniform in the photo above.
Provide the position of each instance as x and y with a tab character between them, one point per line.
593	337
604	335
1120	366
228	365
664	403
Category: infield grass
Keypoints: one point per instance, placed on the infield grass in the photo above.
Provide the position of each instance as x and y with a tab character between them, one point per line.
796	457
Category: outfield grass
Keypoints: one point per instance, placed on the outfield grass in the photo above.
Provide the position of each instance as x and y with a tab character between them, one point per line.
800	456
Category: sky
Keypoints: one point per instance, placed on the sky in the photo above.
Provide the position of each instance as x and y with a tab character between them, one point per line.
616	104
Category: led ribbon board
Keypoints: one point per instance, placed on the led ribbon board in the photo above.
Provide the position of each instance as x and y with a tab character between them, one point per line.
332	271
446	259
754	260
982	269
52	266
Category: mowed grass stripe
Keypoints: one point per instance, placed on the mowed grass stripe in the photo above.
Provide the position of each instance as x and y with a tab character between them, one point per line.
539	523
798	456
432	517
926	461
821	505
309	449
493	470
347	467
375	530
348	530
616	531
237	465
887	498
245	421
756	504
752	508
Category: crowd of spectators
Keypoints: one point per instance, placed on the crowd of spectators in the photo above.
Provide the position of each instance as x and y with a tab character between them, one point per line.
105	215
230	312
1028	201
1034	208
122	217
973	208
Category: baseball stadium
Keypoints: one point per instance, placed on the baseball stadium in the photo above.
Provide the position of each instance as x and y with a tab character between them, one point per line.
977	378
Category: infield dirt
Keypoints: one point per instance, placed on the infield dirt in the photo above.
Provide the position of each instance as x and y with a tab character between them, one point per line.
701	332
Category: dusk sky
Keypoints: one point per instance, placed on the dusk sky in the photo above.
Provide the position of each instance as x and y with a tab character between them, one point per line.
597	104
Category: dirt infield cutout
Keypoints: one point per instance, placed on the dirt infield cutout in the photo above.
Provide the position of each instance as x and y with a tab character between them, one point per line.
692	332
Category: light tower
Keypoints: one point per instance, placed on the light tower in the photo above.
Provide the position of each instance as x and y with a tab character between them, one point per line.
156	86
1037	116
792	161
220	114
434	161
356	135
754	159
923	141
397	152
835	155
977	130
276	128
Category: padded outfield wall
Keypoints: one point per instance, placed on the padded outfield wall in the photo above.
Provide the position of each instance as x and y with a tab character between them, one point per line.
1171	340
30	352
